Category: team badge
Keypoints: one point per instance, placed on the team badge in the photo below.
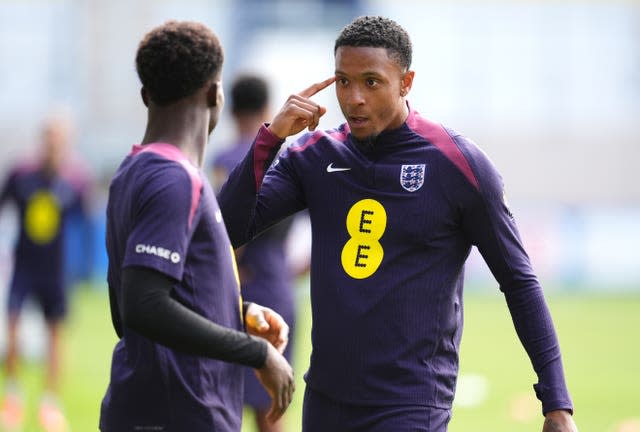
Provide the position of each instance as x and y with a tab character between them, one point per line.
412	176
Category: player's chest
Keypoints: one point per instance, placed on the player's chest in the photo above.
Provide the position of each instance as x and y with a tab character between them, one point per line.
399	198
32	191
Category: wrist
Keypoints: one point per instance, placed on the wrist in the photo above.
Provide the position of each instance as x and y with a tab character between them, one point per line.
559	412
277	133
245	308
264	353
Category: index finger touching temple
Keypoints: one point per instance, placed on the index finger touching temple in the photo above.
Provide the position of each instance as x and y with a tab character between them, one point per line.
315	88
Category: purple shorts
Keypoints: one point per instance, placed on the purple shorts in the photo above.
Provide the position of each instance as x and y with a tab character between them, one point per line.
321	413
51	296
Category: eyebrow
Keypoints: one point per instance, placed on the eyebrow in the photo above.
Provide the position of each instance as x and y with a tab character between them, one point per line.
363	74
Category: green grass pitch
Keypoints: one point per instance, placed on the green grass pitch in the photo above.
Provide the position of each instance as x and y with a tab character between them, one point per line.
599	335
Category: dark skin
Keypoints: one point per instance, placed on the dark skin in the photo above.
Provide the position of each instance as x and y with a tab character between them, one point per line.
559	421
187	124
371	89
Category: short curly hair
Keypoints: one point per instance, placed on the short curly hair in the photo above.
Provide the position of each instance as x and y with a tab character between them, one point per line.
176	59
377	32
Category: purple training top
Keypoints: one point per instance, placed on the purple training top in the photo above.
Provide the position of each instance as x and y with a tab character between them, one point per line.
44	204
393	222
162	214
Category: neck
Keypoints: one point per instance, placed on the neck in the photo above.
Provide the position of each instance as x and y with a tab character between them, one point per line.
49	171
179	124
248	125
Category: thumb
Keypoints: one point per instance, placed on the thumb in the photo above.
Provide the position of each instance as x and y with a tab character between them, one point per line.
261	321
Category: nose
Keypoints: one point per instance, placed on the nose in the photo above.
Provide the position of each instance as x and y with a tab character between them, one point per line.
356	96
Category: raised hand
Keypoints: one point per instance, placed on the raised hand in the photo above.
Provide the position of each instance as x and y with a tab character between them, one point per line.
300	112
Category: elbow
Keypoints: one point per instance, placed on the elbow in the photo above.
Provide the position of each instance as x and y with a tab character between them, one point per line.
131	316
517	283
144	294
138	315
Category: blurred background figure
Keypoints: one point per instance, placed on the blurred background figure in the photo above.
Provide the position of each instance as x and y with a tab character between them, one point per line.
266	274
46	192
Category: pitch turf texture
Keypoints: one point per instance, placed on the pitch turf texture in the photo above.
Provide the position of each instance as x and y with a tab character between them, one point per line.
599	335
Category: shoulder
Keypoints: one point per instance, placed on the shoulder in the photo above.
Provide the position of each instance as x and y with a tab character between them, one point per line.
321	138
172	159
160	170
19	176
484	170
463	153
23	169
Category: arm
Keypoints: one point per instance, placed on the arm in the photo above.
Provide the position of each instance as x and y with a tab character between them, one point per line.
7	188
148	308
490	225
245	213
268	324
238	196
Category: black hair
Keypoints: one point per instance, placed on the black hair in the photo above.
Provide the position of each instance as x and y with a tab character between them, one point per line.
377	32
176	59
249	94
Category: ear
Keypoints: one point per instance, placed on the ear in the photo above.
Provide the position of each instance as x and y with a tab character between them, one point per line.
145	97
212	94
406	82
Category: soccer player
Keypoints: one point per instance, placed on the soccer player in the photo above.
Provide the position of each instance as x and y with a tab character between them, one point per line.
265	276
44	196
173	283
396	202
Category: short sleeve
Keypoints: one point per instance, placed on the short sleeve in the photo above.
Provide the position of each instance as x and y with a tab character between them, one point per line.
160	230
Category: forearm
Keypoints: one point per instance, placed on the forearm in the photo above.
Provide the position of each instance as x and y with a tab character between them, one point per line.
238	195
490	225
534	325
149	309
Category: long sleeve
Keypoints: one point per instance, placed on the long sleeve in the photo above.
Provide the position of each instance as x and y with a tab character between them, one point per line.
148	308
492	228
258	192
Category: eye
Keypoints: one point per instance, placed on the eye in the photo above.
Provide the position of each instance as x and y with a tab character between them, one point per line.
371	82
342	81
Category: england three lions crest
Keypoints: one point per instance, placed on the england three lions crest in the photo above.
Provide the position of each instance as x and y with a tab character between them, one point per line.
412	177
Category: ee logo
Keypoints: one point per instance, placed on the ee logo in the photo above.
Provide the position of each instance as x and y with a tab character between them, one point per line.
42	217
362	254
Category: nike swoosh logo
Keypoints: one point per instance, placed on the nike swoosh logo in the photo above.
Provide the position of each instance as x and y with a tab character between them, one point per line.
331	168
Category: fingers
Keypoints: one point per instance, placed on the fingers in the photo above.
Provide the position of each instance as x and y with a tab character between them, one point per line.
277	378
280	330
255	318
268	324
316	111
300	112
274	412
281	402
261	323
307	111
315	88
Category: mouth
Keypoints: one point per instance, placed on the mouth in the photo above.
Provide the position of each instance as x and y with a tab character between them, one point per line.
357	121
